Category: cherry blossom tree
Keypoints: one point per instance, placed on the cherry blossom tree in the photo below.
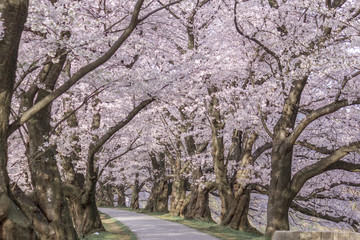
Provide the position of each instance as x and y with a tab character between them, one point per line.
36	106
302	55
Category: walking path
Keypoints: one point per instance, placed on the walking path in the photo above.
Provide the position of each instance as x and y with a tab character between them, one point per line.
151	228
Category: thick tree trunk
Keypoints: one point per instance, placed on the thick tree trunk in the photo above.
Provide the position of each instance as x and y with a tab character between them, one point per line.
14	224
100	197
135	196
237	216
121	200
109	196
235	198
136	188
220	168
80	190
198	207
158	199
280	194
159	196
178	201
45	175
86	216
106	195
84	212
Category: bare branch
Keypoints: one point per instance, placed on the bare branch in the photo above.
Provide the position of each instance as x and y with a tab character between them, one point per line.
159	9
311	146
327	109
321	166
94	93
311	212
129	148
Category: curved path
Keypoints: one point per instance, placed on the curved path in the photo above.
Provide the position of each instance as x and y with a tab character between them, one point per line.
151	228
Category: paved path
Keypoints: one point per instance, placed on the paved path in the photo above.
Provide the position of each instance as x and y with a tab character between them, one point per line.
151	228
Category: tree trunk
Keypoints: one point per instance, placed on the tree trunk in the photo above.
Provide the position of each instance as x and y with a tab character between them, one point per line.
279	191
107	195
80	190
280	195
235	197
45	175
198	207
220	168
135	196
86	216
159	196
178	200
158	199
84	212
100	196
136	188
121	201
14	224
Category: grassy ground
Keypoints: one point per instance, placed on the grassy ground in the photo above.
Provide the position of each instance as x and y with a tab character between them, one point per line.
213	229
115	230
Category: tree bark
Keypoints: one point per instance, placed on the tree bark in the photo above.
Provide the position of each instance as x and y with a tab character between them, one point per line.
121	201
158	199
178	200
135	195
14	224
86	216
280	195
84	212
45	175
198	207
234	195
159	196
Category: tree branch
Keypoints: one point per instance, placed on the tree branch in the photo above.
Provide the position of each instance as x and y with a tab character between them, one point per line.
327	109
80	73
321	166
159	9
310	212
130	148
